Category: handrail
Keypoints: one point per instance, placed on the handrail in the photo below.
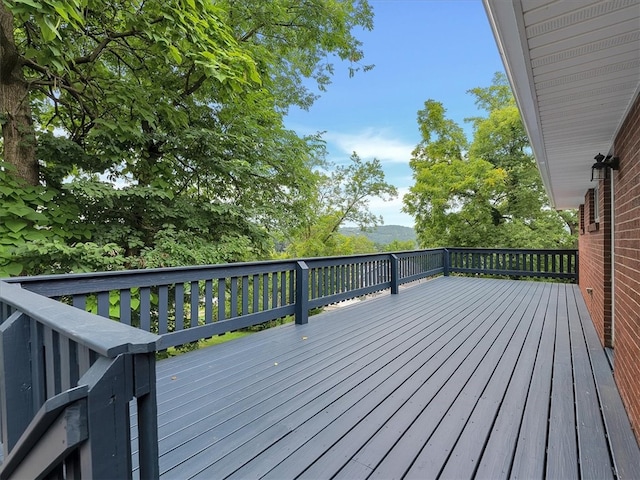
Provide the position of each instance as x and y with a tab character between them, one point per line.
91	282
47	351
50	350
187	304
538	263
108	339
72	431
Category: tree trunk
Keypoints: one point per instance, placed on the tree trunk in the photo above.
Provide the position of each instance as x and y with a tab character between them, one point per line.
15	112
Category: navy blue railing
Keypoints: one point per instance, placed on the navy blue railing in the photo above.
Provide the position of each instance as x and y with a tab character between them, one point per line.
511	262
65	372
187	304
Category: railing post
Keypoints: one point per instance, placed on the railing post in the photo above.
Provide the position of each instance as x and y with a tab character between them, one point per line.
302	293
395	274
445	261
145	392
108	453
15	387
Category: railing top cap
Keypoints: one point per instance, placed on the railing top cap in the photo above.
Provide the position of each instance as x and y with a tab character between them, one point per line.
192	272
148	271
512	250
104	336
288	263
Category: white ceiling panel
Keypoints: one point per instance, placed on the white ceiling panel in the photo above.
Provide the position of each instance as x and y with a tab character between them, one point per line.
574	66
538	11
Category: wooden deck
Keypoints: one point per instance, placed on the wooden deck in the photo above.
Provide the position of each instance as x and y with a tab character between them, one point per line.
454	378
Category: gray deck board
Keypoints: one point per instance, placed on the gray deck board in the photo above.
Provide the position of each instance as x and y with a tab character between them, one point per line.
622	446
502	438
563	463
453	378
594	454
399	400
451	393
531	447
466	451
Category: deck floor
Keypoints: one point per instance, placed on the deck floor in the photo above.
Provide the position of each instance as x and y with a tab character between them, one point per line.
453	378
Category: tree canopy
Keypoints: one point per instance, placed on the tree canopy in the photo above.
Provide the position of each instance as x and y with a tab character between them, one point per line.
483	193
343	196
151	133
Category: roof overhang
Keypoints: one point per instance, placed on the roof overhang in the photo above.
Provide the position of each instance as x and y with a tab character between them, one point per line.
574	67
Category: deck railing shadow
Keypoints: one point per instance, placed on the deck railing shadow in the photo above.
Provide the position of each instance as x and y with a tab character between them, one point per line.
67	371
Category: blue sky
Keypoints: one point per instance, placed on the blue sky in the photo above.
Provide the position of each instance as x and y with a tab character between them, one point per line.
422	49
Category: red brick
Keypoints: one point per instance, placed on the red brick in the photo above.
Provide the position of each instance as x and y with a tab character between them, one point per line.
595	265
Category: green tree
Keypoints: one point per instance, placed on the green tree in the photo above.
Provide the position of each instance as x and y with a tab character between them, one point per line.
343	196
294	39
487	193
156	122
399	246
116	68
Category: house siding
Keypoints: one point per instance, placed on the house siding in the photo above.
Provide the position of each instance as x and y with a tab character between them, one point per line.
627	266
594	245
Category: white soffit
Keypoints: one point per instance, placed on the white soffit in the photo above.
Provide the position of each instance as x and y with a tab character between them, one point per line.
574	66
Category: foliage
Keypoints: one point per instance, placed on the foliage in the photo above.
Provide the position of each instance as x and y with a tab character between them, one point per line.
399	246
160	125
123	70
344	196
346	191
321	241
487	193
294	39
38	232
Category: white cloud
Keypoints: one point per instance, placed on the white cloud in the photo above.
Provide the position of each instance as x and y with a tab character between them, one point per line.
370	143
393	153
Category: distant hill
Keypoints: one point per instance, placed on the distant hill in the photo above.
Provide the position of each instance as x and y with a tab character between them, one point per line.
383	234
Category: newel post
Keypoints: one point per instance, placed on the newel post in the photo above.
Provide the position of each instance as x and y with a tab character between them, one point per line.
16	384
395	274
302	293
445	261
144	365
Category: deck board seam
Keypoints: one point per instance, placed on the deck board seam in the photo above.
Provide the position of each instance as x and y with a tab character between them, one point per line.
465	327
400	385
416	322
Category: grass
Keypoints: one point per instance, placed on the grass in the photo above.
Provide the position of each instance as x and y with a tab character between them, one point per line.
222	338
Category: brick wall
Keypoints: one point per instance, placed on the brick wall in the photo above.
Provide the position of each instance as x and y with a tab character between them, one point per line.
627	266
595	259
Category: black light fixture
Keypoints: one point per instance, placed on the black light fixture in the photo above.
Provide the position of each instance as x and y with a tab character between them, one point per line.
600	169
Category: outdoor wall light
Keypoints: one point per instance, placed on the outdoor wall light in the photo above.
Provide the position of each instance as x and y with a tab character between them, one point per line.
600	169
